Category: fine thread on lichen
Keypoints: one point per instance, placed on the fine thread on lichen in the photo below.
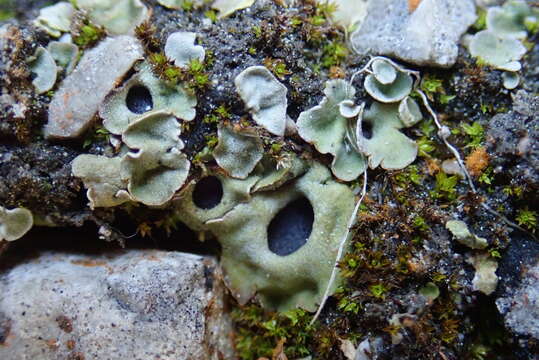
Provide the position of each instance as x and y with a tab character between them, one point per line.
351	223
443	133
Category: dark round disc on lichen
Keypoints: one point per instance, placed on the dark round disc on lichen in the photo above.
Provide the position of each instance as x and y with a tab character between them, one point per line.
139	100
289	230
208	193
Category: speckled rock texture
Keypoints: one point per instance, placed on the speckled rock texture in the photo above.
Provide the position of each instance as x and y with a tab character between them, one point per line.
132	305
77	100
427	35
513	138
521	308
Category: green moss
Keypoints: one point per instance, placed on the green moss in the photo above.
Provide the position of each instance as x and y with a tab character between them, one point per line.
527	218
277	67
99	135
334	53
259	332
378	290
212	15
445	187
88	34
481	22
6	14
476	134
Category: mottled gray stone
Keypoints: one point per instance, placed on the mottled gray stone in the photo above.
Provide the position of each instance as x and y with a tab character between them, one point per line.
135	305
427	36
521	305
77	100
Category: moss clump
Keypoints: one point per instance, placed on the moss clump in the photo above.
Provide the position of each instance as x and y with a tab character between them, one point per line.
87	34
260	332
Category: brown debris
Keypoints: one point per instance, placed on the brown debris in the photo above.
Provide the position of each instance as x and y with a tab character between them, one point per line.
477	161
65	323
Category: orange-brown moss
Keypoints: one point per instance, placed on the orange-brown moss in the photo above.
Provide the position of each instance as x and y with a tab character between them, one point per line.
477	161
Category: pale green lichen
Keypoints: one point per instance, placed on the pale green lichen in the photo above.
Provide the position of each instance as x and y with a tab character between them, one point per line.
164	97
510	80
15	223
500	44
55	19
409	112
150	172
116	16
509	20
485	279
234	192
228	7
387	84
462	234
325	127
101	176
387	146
503	53
265	98
181	49
237	153
44	68
65	54
298	279
155	168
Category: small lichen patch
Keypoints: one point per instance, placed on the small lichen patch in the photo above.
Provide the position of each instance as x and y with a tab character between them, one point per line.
55	19
387	146
237	153
65	54
117	16
43	66
14	223
155	168
228	7
287	281
101	176
485	278
326	128
181	48
387	84
460	231
142	93
265	98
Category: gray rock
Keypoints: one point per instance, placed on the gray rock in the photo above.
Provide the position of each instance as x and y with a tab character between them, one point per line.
521	308
427	36
135	305
513	140
76	102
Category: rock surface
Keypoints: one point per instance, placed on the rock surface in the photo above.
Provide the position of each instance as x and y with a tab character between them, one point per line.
521	308
133	305
513	139
427	35
77	101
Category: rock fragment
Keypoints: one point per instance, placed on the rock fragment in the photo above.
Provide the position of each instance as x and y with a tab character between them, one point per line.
428	35
76	102
135	305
